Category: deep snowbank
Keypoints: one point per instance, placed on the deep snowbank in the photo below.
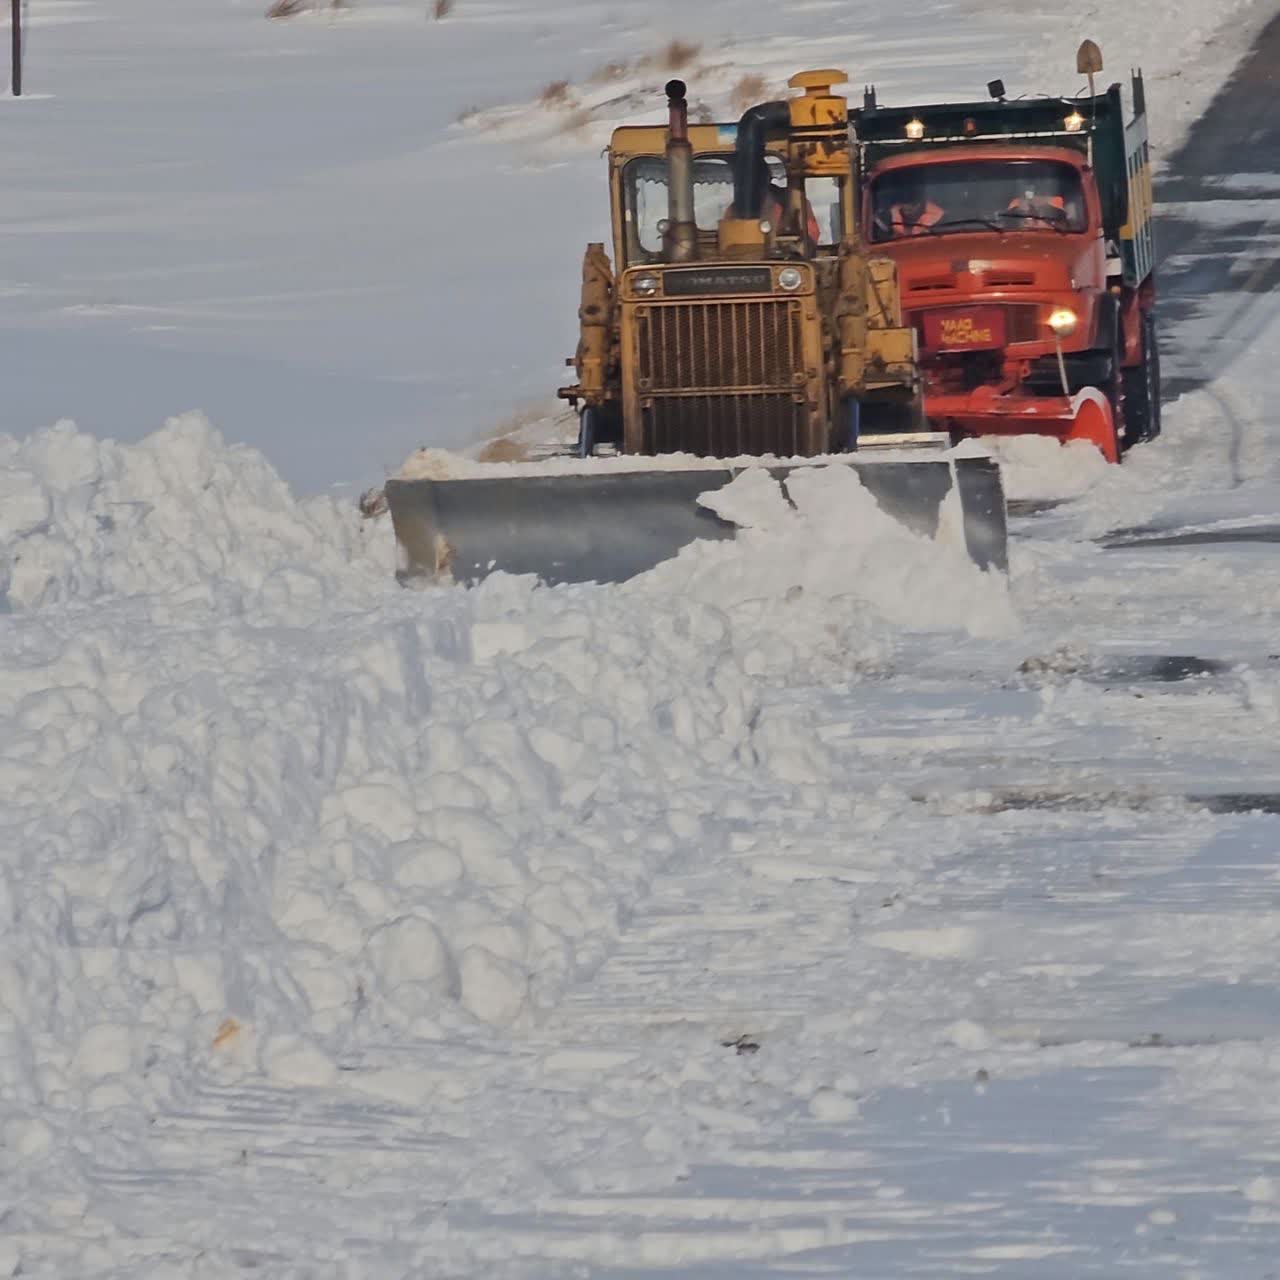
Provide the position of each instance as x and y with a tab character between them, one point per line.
263	807
82	517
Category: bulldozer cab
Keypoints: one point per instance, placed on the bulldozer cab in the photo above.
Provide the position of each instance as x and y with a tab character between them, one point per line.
640	195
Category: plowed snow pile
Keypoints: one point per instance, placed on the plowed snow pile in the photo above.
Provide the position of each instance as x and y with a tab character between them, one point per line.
181	512
263	806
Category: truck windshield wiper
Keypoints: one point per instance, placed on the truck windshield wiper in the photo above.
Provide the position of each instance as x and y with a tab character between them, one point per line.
1054	224
965	222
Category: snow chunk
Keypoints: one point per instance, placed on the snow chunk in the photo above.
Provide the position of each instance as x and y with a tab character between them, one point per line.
104	1050
413	962
967	1035
832	1107
291	1060
493	988
1262	1190
953	942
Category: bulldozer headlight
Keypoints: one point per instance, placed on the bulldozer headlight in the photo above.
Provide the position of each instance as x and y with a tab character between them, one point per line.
1063	322
645	286
915	130
790	279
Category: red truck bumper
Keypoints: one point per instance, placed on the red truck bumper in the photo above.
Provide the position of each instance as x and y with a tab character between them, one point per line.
985	412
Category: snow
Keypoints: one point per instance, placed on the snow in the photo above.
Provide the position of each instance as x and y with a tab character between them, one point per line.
1184	49
445	464
813	903
176	513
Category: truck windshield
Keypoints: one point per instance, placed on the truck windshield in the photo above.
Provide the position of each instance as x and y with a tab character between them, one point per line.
645	183
970	195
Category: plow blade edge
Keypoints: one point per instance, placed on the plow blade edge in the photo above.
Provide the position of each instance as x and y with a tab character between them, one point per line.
610	526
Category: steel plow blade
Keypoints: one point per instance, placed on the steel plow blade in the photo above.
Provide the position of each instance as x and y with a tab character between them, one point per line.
608	526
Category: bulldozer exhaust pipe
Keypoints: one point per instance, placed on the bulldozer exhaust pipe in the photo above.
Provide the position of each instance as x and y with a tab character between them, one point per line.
681	240
750	174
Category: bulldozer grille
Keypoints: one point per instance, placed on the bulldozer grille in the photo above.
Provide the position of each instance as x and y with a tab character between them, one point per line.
724	378
726	426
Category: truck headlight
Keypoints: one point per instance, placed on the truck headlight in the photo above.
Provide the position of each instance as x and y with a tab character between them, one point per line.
790	279
1063	322
645	286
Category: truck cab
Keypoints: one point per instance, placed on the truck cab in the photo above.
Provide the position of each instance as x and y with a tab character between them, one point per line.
1022	237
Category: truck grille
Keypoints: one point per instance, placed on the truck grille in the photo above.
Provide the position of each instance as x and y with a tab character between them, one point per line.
724	378
1021	322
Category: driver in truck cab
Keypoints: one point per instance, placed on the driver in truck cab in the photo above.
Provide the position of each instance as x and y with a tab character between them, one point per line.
1037	208
914	214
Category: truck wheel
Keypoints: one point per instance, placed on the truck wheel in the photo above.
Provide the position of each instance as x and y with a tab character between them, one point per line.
1142	390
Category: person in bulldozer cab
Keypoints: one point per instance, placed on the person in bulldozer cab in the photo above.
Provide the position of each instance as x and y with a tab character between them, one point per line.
775	209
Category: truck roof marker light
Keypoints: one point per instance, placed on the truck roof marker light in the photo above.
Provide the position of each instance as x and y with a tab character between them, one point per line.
1074	122
970	127
915	129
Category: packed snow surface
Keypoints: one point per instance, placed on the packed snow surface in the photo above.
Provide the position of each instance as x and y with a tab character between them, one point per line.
812	904
299	862
445	464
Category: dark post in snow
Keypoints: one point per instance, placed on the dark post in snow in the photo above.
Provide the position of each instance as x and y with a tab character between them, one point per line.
17	48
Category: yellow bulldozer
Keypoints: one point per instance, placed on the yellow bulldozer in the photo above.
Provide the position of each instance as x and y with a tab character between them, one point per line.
741	318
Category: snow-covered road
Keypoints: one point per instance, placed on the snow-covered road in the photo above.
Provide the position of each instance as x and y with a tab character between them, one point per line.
814	905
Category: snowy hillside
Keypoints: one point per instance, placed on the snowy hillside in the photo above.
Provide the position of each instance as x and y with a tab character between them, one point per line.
357	231
814	904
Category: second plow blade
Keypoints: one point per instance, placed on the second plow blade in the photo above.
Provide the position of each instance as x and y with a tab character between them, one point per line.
608	526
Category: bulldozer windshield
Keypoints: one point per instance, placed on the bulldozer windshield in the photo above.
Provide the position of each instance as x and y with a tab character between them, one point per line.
645	194
975	195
